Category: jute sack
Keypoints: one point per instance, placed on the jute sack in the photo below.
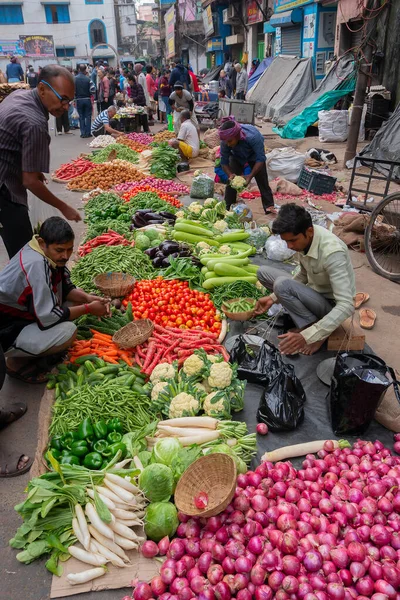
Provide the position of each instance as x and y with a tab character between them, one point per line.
388	412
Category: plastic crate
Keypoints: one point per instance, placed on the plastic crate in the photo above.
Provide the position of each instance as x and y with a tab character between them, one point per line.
317	183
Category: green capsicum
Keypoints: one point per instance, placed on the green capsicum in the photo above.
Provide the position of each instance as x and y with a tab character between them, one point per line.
79	448
93	460
85	429
114	425
101	446
69	459
114	437
56	442
114	448
100	430
68	439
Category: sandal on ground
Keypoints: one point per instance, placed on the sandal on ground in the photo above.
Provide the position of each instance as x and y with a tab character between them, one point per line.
12	413
270	212
9	464
360	298
29	373
367	318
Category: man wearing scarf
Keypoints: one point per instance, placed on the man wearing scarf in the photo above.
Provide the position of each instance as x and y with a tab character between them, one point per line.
241	144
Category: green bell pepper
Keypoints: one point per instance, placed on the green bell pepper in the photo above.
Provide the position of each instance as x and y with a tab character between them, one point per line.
79	448
69	459
100	430
114	437
56	442
85	429
68	439
101	446
114	425
114	448
93	460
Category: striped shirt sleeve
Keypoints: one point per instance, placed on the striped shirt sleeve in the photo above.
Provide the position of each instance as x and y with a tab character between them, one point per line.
35	149
46	305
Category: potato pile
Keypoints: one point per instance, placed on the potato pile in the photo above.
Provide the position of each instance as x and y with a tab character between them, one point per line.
164	136
105	176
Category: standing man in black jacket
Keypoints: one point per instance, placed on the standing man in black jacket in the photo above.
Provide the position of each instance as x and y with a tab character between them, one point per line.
83	102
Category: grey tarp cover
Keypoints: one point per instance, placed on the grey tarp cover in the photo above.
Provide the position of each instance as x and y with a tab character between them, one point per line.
299	84
212	75
271	81
259	71
386	143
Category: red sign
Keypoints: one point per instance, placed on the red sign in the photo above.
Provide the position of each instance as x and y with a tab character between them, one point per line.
254	14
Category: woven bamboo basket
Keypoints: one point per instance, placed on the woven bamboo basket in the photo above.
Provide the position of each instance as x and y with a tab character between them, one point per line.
114	285
57	180
214	474
237	316
134	333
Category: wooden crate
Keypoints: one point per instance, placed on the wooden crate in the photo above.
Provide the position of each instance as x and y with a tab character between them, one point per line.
349	336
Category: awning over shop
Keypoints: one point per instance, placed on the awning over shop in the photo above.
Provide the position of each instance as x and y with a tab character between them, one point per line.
287	18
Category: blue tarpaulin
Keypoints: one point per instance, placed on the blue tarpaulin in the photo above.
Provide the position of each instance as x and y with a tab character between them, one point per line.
259	71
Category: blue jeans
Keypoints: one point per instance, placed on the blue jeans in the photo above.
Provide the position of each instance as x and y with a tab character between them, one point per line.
167	104
84	108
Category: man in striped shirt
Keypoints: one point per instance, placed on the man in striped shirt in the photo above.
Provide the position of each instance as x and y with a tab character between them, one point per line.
25	153
101	125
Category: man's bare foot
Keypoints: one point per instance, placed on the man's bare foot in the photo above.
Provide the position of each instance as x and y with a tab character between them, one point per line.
312	348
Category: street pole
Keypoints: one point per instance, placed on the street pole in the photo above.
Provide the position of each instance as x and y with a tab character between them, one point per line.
363	80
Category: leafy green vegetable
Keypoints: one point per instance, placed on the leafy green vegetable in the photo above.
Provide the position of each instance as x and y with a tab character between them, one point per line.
122	153
161	519
165	450
156	481
183	268
163	161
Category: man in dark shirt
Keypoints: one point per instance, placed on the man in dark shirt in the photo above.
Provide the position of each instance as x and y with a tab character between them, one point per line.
25	155
14	71
83	102
241	144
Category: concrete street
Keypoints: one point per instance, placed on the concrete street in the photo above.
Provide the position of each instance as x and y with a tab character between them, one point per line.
32	582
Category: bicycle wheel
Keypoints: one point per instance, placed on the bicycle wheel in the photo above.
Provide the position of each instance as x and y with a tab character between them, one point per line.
382	238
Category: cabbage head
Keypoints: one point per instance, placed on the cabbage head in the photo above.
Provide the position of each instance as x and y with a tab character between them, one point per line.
156	481
165	450
161	519
241	466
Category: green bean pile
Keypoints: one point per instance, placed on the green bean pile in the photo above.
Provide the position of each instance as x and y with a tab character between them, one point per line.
241	305
105	259
108	401
239	289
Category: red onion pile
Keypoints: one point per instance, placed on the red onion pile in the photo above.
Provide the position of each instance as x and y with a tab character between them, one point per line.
328	531
163	185
141	138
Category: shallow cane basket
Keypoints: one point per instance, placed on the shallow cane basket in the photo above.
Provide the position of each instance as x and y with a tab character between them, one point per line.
114	285
214	474
134	333
237	316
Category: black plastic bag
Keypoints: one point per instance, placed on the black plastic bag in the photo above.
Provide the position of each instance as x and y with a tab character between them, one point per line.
253	364
358	384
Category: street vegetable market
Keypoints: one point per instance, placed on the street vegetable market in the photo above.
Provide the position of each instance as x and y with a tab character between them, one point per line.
152	450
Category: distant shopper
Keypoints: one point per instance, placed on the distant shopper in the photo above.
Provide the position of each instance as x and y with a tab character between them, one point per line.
254	66
181	74
141	80
103	90
242	82
194	81
228	66
14	72
224	84
31	77
187	141
103	123
113	86
151	90
164	94
137	96
83	87
180	100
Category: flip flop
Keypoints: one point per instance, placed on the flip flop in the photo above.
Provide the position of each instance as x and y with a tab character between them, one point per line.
367	318
9	464
12	413
360	298
29	373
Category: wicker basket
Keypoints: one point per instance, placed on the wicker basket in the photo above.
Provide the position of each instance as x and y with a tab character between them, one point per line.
237	316
133	334
114	285
214	474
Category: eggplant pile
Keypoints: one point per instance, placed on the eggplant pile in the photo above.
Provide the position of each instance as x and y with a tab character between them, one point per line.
160	255
145	216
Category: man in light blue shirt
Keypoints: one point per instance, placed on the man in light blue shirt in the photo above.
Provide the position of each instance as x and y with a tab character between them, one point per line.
14	72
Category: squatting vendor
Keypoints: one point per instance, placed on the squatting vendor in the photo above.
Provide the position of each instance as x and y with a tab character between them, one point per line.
321	296
35	287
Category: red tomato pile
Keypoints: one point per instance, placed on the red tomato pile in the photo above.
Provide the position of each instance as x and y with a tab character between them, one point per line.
174	304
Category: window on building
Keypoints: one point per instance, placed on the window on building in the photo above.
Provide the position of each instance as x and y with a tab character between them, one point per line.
57	13
65	52
11	14
97	32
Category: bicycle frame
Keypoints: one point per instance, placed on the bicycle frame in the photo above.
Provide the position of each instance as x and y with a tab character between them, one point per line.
373	175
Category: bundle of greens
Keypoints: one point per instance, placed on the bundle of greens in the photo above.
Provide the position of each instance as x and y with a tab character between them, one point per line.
163	161
183	268
118	151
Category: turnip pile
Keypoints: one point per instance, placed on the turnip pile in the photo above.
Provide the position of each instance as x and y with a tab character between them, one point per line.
327	531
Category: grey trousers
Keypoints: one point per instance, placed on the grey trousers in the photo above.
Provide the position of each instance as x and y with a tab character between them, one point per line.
304	305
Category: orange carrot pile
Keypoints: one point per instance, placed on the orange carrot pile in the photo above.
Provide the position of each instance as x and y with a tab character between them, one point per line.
102	345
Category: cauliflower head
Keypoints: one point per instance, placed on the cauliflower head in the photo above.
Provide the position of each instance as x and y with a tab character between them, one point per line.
220	225
203	246
238	183
195	208
200	388
206	386
157	389
193	365
224	249
180	214
220	375
209	202
183	405
162	372
213	358
217	405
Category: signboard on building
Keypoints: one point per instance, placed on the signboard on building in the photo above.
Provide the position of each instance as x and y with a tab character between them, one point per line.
208	21
214	45
170	31
38	45
8	47
282	5
254	14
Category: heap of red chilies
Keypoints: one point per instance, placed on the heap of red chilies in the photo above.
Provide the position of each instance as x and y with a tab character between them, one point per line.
328	531
171	343
73	169
111	238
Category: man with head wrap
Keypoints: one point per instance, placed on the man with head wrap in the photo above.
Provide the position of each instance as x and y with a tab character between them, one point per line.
241	144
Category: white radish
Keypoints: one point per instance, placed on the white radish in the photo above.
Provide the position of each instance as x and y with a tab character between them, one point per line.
87	557
123	482
131	522
108	494
122	464
140	514
182	432
109	503
82	525
108	543
97	522
77	532
296	450
127	544
207	436
109	555
125	496
138	463
122	515
121	529
203	422
85	576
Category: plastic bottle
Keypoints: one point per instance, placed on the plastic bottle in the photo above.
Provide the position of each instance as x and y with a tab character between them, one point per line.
170	123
